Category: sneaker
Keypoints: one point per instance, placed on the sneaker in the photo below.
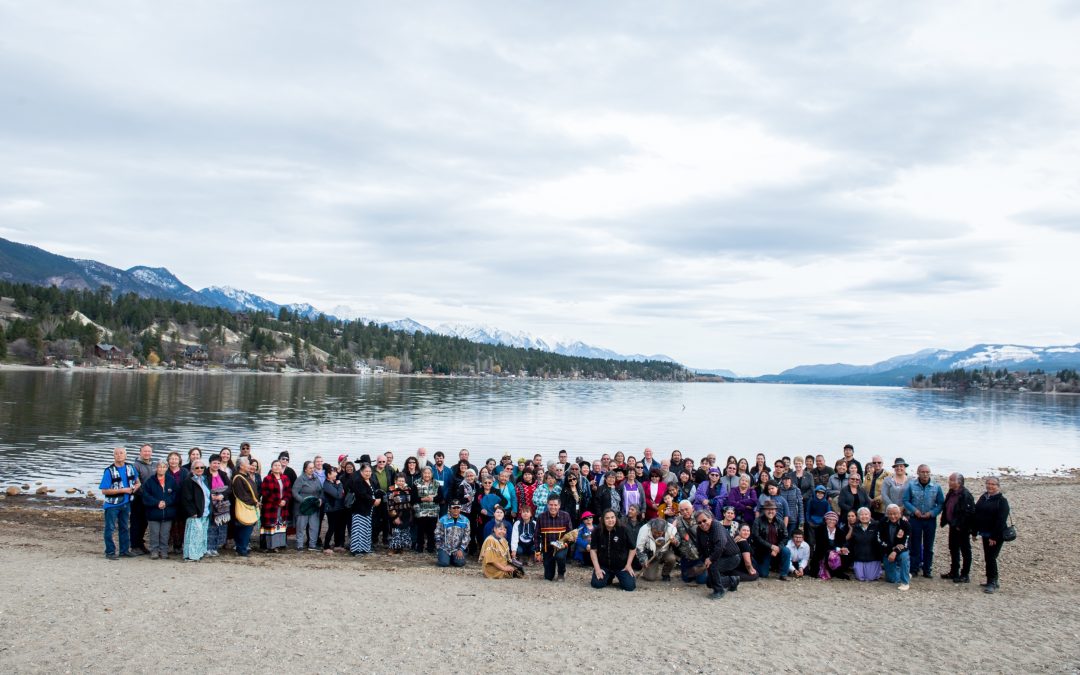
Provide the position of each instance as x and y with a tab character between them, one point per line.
949	575
961	580
130	554
990	588
164	556
154	555
113	556
903	587
562	577
717	594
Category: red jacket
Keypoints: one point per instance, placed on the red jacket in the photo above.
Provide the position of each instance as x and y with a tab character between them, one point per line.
272	496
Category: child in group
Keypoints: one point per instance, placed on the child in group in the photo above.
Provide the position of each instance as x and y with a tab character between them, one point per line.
399	509
817	507
584	539
669	507
499	517
523	538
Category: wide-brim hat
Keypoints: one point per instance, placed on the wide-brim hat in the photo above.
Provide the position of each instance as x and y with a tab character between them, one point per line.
309	506
899	461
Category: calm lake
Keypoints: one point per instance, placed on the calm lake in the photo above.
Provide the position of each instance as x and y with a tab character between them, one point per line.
60	426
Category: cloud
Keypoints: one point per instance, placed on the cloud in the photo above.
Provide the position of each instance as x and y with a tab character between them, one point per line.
717	184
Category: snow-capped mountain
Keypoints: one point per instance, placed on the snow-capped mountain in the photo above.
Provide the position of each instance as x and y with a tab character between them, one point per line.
237	300
408	325
900	369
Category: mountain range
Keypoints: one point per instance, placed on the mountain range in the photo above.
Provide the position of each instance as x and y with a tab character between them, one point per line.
30	264
899	370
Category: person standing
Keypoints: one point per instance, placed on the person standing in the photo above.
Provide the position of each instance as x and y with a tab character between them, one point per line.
245	487
874	484
195	499
334	501
360	537
553	523
382	479
118	482
991	519
275	491
612	554
923	500
220	506
159	494
307	493
144	466
957	515
896	484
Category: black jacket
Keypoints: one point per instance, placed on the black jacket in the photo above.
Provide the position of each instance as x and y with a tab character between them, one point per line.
192	499
759	536
991	515
612	547
893	538
851	502
864	544
717	542
365	495
963	513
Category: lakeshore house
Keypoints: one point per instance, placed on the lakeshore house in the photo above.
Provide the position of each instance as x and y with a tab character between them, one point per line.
103	350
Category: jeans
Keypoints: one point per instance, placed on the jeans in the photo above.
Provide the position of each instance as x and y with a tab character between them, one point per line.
687	568
553	560
898	571
118	517
922	544
627	582
783	563
307	530
446	560
159	536
243	538
959	550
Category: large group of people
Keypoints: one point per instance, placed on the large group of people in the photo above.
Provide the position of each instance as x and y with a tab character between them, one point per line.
624	518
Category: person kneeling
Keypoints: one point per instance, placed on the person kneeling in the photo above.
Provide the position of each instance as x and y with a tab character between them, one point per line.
452	537
612	554
495	555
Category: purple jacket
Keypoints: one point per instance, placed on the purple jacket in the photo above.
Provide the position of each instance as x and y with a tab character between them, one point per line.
702	499
744	506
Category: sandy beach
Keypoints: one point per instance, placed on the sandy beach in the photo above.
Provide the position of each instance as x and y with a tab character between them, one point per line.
64	608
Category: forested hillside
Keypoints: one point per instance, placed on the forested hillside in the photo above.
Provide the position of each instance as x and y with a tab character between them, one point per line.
39	324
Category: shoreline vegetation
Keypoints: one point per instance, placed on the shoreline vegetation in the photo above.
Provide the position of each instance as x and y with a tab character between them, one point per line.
47	326
1066	381
75	603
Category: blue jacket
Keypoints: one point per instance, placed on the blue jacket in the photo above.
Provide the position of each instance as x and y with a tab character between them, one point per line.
926	498
446	476
153	493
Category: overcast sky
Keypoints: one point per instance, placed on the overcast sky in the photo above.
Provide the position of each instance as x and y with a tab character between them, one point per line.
750	187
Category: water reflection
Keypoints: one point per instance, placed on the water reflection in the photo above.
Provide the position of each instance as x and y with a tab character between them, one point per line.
60	425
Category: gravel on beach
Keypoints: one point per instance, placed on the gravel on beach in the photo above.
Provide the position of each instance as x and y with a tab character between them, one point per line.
64	608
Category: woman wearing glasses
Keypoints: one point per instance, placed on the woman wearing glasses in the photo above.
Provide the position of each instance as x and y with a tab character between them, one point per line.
195	499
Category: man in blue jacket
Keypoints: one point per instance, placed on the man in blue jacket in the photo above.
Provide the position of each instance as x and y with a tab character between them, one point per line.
118	482
923	500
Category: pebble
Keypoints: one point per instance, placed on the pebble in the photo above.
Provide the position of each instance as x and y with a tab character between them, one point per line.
42	490
71	491
12	491
26	486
